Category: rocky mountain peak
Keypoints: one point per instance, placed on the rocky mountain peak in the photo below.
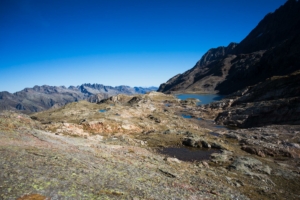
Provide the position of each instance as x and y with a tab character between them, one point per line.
216	53
46	89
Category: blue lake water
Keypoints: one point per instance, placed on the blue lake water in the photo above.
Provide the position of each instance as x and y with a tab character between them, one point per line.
186	116
102	111
204	98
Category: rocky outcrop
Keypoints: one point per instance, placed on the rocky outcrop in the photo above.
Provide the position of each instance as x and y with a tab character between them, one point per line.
201	143
272	48
45	97
275	141
282	111
248	164
275	101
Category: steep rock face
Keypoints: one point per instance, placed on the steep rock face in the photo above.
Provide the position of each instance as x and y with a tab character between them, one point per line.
271	49
44	97
273	29
205	75
215	54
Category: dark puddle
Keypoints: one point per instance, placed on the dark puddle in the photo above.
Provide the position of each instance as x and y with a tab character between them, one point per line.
188	154
200	118
220	126
102	111
186	116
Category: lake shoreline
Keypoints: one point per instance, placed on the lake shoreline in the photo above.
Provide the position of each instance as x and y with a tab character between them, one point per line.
203	98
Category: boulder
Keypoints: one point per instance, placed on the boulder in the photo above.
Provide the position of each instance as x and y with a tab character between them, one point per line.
249	164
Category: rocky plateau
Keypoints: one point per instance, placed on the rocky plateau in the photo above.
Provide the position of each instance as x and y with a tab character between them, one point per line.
111	150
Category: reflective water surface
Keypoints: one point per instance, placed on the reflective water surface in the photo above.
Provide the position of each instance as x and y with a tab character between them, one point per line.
204	98
188	154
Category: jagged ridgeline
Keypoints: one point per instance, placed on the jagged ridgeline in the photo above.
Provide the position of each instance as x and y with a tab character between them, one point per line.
44	97
272	48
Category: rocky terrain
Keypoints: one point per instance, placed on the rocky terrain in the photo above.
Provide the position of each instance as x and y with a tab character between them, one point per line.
274	101
45	97
95	143
112	150
272	48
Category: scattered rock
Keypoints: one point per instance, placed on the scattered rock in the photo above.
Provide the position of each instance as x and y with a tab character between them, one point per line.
205	164
253	150
166	173
172	160
190	142
205	144
33	197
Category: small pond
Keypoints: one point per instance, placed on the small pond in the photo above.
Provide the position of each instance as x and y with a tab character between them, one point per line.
188	154
102	111
186	116
204	98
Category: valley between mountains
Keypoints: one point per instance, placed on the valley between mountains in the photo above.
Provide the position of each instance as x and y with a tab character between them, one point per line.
101	142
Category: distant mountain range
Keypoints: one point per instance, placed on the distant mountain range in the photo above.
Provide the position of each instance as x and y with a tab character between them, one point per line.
272	48
45	97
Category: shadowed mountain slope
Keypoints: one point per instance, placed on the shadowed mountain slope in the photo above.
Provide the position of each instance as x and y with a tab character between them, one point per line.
272	48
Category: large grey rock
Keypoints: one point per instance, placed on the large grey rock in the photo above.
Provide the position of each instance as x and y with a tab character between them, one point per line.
249	164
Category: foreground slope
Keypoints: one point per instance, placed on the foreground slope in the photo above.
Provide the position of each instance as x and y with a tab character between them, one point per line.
99	155
272	48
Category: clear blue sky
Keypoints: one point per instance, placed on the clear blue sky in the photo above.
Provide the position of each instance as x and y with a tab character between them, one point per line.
115	42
